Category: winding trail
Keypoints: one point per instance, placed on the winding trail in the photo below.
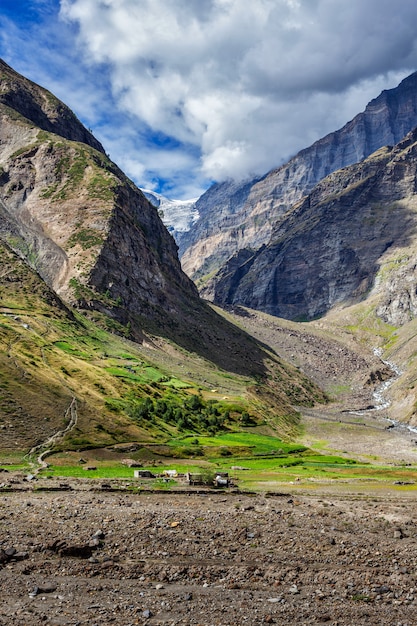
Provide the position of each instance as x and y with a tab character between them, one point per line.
42	450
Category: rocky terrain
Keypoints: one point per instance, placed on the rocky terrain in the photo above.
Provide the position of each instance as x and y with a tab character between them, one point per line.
90	233
353	232
234	216
91	557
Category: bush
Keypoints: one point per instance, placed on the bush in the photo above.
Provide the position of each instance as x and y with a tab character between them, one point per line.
207	476
193	403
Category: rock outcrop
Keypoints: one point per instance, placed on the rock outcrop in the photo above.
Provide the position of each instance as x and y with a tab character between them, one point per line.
235	216
73	214
91	234
355	232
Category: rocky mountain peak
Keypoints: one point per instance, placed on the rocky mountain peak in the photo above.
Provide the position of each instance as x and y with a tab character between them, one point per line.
43	109
353	236
250	210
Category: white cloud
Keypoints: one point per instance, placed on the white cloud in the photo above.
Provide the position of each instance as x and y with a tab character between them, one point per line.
190	91
248	82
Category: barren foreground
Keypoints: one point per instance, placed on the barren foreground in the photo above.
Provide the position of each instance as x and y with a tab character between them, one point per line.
89	557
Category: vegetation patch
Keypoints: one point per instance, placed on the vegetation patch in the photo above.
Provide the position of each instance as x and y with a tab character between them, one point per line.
100	186
86	238
69	349
251	443
142	375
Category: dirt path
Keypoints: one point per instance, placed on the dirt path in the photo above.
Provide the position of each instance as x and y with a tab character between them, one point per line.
44	449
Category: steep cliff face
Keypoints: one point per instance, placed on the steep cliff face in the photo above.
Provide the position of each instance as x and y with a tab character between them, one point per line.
65	206
249	222
94	238
355	231
218	232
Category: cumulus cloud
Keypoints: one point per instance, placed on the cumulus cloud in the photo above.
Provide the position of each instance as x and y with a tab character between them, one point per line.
181	93
246	83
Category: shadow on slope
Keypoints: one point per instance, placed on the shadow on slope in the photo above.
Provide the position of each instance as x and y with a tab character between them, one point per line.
328	249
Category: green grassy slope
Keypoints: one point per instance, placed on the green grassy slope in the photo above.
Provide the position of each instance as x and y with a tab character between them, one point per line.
124	391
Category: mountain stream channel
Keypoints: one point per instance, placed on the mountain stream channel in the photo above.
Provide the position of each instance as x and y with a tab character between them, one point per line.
379	396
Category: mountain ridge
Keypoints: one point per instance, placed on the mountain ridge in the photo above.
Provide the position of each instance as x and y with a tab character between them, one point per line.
41	107
78	237
331	245
248	223
72	214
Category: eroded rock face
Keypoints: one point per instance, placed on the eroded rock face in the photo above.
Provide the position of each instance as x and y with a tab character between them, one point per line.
399	303
235	216
75	217
90	233
218	233
354	232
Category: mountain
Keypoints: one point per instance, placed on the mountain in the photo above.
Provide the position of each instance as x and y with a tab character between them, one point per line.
92	235
354	235
41	107
59	371
103	337
235	216
72	212
177	215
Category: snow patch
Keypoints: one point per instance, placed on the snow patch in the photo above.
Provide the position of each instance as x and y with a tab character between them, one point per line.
177	215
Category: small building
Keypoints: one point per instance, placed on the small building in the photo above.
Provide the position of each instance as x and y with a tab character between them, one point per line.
143	474
221	479
172	473
194	479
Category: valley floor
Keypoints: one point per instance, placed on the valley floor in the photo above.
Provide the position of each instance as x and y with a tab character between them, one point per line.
89	557
367	437
310	551
350	372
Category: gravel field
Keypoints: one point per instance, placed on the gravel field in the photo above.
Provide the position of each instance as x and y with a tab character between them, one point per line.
90	557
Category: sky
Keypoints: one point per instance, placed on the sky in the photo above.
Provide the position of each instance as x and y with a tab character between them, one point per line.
182	93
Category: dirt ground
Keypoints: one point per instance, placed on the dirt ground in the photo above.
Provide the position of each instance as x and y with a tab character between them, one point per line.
93	557
355	423
83	552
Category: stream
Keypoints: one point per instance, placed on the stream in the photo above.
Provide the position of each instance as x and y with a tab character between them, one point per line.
379	395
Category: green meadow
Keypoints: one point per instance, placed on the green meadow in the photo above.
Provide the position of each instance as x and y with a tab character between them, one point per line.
255	462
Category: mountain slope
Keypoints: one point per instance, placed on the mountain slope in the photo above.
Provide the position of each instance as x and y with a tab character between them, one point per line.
354	231
77	235
62	198
52	359
93	236
235	216
41	107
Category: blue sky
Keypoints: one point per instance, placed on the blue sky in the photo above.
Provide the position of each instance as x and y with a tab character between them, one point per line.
185	92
